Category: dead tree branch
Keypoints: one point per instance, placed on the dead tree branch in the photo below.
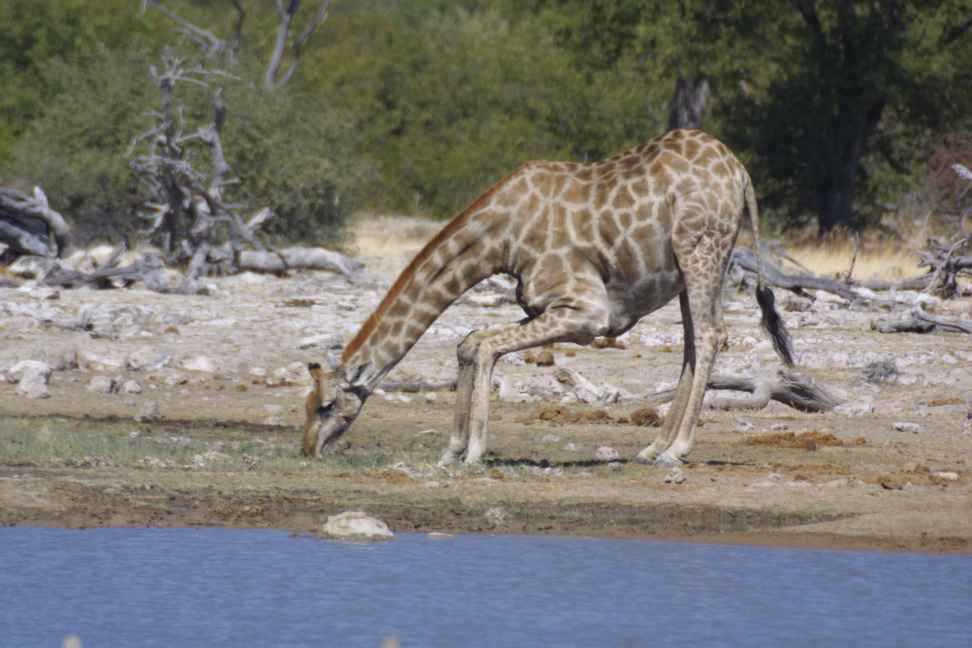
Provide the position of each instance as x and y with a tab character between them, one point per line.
286	12
791	389
918	321
28	225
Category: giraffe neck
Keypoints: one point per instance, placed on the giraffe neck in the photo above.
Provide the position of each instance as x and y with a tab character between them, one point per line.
469	249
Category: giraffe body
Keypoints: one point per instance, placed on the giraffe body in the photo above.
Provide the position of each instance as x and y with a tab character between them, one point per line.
594	248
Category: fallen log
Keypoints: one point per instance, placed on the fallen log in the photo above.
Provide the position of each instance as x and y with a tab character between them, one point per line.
299	258
30	226
918	321
791	389
775	277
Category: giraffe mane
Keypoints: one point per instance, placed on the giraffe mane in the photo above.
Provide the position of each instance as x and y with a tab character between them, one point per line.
451	227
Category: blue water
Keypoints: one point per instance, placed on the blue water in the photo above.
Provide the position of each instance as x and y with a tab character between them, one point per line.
218	587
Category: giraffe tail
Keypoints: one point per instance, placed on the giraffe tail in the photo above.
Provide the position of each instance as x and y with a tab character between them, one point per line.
771	322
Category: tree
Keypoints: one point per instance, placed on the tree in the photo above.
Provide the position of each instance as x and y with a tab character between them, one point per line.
819	93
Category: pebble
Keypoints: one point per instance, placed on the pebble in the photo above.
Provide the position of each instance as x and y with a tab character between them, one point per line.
131	387
103	385
904	426
606	453
675	476
148	412
496	515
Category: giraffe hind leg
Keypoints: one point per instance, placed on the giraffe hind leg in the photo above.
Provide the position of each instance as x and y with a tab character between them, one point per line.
669	429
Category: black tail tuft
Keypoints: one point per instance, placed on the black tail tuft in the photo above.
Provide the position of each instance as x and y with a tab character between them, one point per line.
774	325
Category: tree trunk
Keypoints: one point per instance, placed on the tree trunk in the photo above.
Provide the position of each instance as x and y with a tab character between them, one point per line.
688	105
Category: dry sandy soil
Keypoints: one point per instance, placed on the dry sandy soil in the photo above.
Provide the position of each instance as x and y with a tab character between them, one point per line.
226	372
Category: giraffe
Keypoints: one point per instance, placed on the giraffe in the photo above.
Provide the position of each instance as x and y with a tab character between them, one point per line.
594	248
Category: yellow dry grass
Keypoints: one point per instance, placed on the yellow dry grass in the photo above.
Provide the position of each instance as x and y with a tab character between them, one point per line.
391	236
883	260
397	237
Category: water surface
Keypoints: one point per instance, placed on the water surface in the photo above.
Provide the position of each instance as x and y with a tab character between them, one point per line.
221	587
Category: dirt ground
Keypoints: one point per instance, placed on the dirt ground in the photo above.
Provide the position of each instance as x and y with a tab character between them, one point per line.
889	470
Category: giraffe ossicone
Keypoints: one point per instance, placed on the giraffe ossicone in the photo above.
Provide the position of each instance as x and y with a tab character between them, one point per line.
594	248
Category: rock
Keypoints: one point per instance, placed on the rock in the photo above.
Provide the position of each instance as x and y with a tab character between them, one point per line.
65	361
322	341
550	438
45	293
356	525
496	515
131	387
32	378
675	476
945	475
31	267
854	408
91	361
606	453
744	426
103	385
903	426
779	427
148	412
199	363
147	359
585	390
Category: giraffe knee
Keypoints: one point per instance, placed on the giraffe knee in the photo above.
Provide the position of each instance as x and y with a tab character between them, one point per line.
470	347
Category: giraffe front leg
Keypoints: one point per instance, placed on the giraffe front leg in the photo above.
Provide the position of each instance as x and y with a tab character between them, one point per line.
460	432
571	323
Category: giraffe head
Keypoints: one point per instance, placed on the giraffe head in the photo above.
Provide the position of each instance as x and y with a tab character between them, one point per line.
330	409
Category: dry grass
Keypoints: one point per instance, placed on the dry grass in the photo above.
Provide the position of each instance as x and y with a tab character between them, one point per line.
889	260
391	236
398	237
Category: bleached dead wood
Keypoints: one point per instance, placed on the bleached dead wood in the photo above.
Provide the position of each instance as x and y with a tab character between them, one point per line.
29	226
286	12
299	258
918	321
791	389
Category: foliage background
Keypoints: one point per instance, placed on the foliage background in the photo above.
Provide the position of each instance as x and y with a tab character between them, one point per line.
417	105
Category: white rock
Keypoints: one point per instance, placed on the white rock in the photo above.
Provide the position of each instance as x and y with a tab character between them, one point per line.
606	453
496	515
91	361
904	426
744	426
199	363
131	387
103	385
148	412
855	408
31	267
947	475
32	378
356	525
147	359
675	476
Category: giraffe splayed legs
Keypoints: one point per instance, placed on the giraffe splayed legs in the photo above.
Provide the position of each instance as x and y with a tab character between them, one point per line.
594	248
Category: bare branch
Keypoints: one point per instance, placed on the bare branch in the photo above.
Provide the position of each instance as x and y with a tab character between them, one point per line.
272	78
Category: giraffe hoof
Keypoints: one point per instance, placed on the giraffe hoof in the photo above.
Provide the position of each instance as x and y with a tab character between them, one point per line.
448	458
647	456
667	460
